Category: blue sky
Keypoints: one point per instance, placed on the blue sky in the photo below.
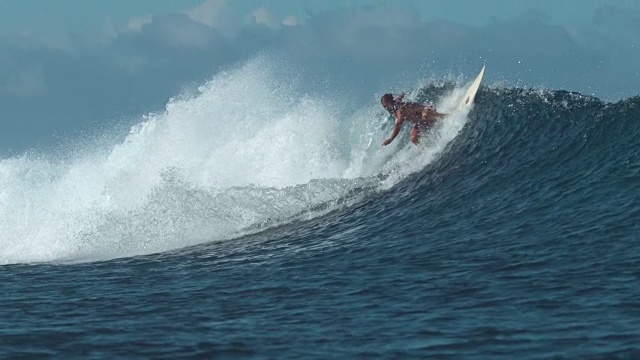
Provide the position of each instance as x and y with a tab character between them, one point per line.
69	65
83	15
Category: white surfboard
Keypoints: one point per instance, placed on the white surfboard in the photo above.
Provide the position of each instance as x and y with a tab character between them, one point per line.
470	95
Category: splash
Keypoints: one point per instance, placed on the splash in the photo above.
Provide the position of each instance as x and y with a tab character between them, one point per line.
245	153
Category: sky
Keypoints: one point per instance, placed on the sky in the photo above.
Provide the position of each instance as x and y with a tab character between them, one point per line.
74	65
82	15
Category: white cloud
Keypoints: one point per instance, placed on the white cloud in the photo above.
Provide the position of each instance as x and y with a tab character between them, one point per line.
181	31
292	21
137	23
217	14
265	17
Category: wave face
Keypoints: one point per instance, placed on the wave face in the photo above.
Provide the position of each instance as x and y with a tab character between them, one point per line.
547	165
275	225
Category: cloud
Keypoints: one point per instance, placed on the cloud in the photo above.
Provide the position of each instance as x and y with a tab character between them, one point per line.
262	16
217	14
178	30
69	82
265	17
292	21
137	23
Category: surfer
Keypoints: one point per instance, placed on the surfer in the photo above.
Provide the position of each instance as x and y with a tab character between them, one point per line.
423	117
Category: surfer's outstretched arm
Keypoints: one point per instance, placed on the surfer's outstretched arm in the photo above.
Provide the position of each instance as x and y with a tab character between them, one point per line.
396	129
430	114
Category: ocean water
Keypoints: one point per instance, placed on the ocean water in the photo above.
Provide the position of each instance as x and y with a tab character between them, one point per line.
252	219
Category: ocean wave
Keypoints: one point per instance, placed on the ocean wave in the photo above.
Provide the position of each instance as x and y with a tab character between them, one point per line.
249	151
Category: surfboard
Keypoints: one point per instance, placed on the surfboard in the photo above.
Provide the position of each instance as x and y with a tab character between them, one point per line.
470	95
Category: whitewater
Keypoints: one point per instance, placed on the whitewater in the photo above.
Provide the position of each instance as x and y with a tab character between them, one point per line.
249	150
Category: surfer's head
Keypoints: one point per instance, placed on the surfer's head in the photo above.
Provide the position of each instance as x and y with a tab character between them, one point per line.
388	102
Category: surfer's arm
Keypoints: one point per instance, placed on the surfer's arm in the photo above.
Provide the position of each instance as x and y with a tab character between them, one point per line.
396	129
430	113
400	97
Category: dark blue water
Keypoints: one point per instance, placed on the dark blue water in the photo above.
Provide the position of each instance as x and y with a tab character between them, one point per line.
519	241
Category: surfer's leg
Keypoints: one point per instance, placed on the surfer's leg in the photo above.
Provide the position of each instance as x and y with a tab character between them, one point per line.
415	134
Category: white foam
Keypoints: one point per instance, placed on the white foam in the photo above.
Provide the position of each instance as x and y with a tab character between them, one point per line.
245	153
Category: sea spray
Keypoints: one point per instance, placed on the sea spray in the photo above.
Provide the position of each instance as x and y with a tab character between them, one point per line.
251	150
